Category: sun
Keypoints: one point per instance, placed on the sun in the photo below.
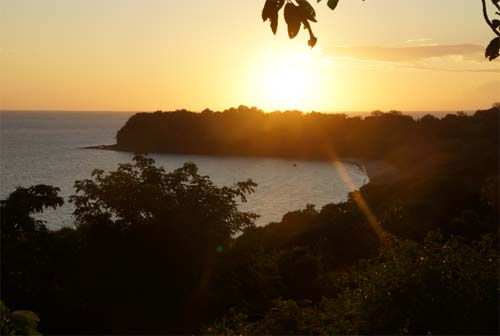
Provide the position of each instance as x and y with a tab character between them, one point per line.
287	81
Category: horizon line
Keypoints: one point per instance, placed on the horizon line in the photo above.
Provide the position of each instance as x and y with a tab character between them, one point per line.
153	111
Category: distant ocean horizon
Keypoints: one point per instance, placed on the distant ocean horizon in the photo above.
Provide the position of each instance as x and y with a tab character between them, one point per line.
415	114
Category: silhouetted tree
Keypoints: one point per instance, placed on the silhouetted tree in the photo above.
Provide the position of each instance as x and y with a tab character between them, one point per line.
16	212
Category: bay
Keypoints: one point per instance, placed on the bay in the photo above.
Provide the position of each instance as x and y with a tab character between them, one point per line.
46	148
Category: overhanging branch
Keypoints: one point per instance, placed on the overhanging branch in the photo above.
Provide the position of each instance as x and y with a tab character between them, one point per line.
486	17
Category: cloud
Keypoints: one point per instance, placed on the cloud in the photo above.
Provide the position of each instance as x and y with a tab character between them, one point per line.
450	58
419	40
451	69
406	54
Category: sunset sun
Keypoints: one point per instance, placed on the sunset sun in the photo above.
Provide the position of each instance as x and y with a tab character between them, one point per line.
287	80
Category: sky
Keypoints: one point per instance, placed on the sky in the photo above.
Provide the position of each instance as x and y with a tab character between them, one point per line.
147	55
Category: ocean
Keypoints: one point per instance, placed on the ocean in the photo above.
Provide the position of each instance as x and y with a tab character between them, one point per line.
46	148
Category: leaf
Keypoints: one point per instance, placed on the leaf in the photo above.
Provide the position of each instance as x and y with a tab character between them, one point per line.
293	19
312	41
495	24
307	10
332	4
24	318
493	49
274	25
24	322
28	331
267	10
270	11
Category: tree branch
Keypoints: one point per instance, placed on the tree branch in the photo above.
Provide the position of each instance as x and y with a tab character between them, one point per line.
495	3
487	19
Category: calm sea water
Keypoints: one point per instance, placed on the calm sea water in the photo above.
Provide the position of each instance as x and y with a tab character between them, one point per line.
45	147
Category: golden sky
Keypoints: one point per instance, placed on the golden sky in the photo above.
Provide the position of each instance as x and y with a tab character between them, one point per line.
144	55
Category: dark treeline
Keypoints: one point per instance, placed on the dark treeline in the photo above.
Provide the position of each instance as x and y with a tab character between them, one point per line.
392	136
169	252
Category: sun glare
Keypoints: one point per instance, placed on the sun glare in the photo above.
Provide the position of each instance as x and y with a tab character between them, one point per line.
286	81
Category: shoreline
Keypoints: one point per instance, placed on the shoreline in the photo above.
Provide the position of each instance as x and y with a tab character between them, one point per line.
377	171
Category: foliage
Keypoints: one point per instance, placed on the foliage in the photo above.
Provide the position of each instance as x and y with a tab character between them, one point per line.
139	195
293	258
166	252
19	322
296	14
270	11
144	238
300	12
493	49
16	212
439	286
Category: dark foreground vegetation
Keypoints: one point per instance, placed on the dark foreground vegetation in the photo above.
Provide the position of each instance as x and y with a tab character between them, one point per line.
159	252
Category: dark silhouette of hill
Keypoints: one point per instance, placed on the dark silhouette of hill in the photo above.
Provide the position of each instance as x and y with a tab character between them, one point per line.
426	143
